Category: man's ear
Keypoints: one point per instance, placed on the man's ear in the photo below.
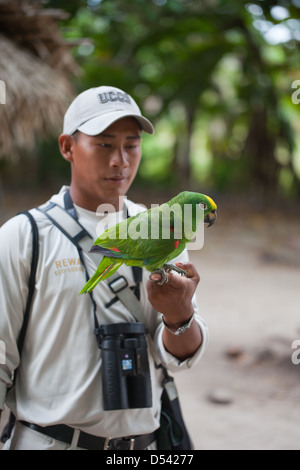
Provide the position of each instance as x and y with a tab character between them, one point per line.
66	143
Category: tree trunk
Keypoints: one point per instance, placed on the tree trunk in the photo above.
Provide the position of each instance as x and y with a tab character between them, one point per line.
259	147
182	150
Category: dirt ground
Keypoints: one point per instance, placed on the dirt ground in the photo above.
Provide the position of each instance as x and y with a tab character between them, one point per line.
244	393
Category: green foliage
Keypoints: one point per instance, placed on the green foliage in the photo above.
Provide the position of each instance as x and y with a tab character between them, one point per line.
213	75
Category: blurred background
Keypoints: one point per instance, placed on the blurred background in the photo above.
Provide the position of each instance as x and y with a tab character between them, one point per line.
220	80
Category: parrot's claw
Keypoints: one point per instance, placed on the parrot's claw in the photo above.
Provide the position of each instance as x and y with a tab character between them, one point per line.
171	267
164	276
164	270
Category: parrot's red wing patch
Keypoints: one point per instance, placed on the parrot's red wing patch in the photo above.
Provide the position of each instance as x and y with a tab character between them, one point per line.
115	249
176	243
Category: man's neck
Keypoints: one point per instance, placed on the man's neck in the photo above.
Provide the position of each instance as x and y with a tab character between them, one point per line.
92	204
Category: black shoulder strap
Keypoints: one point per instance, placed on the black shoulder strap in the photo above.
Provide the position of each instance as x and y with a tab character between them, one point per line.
31	284
6	433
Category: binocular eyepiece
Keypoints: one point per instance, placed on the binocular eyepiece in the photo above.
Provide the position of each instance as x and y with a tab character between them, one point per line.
126	379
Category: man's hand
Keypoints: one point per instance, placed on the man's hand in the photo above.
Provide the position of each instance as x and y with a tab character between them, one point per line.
174	300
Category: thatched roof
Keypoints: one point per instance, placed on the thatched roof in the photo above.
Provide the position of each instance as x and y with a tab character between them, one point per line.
35	65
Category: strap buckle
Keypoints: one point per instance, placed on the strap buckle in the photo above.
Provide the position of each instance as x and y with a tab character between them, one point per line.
118	284
118	444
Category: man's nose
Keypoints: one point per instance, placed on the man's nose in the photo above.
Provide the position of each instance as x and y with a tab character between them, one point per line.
119	158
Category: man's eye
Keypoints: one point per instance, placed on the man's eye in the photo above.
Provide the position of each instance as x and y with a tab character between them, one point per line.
133	146
104	145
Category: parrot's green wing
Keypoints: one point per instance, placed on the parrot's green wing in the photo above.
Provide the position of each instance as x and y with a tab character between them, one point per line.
143	237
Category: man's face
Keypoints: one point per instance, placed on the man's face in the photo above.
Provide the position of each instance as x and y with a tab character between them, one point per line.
104	166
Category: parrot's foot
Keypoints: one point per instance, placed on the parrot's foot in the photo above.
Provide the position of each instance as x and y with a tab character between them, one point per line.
164	270
171	267
164	276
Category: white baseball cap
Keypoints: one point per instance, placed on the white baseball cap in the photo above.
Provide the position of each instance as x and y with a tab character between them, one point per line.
95	109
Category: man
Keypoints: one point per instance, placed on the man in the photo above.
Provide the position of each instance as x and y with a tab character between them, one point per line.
58	398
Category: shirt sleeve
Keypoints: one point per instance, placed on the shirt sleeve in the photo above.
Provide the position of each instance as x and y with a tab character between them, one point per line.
15	262
171	362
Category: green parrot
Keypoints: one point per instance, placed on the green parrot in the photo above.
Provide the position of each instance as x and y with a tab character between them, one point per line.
153	237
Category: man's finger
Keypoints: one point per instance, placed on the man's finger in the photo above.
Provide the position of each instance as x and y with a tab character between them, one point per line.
190	269
155	277
177	281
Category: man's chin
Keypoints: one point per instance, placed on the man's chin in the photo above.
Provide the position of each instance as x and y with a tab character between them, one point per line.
114	195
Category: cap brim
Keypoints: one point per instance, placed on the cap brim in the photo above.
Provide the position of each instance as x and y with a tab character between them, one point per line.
100	123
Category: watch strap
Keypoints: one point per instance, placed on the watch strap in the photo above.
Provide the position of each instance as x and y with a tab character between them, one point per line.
182	329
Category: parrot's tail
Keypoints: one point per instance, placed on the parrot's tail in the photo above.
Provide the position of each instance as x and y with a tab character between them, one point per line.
105	269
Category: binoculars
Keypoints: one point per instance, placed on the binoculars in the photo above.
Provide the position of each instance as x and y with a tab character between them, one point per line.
126	379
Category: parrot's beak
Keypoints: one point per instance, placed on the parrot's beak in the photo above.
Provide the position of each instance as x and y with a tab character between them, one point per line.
210	218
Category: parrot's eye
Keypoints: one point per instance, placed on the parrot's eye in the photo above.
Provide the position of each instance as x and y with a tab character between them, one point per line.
203	205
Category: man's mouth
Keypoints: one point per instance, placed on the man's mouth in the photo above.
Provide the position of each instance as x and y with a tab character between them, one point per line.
116	179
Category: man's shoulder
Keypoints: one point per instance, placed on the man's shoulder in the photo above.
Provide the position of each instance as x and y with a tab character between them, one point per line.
18	222
21	223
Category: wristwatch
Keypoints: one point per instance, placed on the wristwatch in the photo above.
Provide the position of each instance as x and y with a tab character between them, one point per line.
182	329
